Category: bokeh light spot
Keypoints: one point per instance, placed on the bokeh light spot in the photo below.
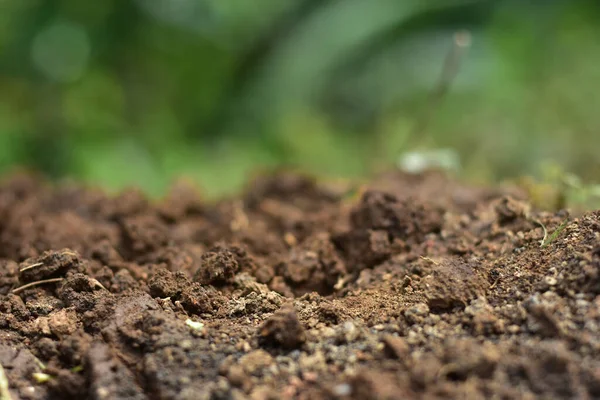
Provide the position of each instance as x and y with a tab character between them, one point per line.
61	51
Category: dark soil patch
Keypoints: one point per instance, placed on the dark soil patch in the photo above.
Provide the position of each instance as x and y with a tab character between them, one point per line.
416	287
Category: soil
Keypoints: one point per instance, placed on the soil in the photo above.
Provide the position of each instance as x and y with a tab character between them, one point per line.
412	286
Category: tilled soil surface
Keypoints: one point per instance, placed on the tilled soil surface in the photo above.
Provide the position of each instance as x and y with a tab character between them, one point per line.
412	287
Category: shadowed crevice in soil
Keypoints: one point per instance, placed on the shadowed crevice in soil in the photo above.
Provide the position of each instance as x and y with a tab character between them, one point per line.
413	286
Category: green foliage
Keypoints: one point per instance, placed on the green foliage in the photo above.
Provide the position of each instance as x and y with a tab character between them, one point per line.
556	189
138	92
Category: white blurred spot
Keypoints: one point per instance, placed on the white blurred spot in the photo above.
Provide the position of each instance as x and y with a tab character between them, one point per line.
462	38
419	161
61	51
343	389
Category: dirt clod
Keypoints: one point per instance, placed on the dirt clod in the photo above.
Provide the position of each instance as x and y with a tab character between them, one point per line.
452	283
218	266
109	378
50	264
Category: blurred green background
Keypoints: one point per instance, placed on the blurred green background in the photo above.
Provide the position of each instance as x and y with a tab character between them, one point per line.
140	92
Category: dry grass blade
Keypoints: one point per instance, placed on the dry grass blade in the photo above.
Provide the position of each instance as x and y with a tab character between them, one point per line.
4	392
31	266
545	231
36	283
96	283
40	364
549	239
429	260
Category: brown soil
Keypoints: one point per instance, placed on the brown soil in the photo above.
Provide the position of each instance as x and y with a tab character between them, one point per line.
412	287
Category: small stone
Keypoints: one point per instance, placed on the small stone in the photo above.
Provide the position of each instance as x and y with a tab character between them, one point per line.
255	361
186	344
342	390
41	325
550	280
416	313
349	332
236	375
283	330
310	376
313	362
328	332
395	347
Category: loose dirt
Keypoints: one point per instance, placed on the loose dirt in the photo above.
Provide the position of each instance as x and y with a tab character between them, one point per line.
413	286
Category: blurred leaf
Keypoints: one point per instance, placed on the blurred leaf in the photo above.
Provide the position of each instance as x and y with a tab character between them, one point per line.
95	105
216	89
